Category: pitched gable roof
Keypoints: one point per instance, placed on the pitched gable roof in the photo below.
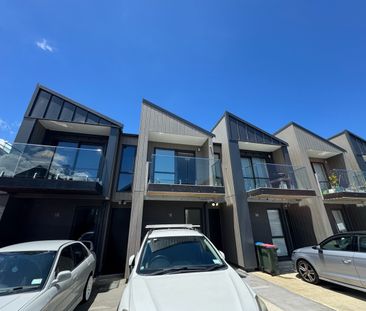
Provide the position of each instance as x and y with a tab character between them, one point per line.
323	140
244	131
177	118
345	132
102	119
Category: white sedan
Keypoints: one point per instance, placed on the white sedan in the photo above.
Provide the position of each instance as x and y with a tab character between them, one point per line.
178	268
45	275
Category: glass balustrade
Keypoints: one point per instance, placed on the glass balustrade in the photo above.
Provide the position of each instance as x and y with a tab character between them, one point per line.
276	176
52	162
179	170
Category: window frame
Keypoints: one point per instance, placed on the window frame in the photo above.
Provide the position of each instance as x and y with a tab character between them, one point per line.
338	236
59	256
73	254
121	171
255	179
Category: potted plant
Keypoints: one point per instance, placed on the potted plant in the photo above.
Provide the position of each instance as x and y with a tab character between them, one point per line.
333	180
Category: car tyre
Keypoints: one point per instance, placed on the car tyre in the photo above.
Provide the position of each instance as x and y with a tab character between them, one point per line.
88	288
307	272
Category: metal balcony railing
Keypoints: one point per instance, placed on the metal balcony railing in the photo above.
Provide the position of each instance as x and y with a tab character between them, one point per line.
52	162
341	180
276	176
178	170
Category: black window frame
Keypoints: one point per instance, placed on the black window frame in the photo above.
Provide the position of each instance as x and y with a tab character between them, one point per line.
255	178
130	173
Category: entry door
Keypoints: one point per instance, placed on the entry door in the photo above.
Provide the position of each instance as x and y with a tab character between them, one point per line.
186	168
339	220
278	237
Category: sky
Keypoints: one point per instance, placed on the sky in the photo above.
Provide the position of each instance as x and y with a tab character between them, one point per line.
268	61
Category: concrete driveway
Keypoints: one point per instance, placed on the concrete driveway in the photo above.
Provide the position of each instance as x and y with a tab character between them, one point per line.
330	296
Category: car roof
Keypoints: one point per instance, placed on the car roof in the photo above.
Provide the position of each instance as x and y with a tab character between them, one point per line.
48	245
159	233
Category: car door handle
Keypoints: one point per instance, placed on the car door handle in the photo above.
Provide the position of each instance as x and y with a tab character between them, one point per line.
347	261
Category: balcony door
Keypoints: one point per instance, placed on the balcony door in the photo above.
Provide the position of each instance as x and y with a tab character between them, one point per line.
321	173
255	173
77	161
174	167
186	168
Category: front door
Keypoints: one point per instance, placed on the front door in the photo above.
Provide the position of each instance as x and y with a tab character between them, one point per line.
277	232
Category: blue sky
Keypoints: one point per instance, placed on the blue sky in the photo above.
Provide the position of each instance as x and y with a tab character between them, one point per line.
268	61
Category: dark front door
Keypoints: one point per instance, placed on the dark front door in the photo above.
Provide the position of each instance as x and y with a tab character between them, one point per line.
215	227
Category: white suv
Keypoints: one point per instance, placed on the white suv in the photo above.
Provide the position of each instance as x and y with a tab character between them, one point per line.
178	268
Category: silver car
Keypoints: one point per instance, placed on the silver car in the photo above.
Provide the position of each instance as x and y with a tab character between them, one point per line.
340	259
45	275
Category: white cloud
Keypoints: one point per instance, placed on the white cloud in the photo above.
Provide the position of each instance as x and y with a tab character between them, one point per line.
8	128
45	46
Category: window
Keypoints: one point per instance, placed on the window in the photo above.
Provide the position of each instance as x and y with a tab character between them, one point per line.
255	173
164	166
80	115
65	261
362	244
127	167
192	216
338	217
40	105
342	243
92	119
87	165
278	237
79	252
67	112
54	108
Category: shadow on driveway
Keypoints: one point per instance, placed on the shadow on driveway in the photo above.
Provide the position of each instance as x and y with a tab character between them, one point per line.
102	284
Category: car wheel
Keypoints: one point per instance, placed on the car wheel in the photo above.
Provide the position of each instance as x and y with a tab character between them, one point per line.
88	288
307	272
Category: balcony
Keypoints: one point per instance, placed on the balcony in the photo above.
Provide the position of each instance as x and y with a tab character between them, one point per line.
344	186
27	167
267	181
199	178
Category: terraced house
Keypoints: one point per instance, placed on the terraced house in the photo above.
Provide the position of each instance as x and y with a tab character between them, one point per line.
72	172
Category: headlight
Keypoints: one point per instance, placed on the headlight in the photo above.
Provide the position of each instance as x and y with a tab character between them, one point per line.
261	305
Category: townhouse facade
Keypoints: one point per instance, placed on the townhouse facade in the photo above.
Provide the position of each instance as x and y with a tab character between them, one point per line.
72	172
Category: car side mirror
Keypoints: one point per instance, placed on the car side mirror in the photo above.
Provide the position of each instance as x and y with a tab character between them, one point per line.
88	244
62	277
131	262
318	248
222	254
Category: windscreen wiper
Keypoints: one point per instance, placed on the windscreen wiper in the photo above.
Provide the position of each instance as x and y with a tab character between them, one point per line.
183	269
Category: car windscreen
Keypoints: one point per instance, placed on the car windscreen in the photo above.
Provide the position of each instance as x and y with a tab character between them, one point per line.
178	254
24	271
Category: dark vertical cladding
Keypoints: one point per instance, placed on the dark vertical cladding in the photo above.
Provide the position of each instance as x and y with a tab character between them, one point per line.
54	122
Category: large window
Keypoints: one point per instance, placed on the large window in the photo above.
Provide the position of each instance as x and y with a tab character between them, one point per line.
77	161
255	173
127	167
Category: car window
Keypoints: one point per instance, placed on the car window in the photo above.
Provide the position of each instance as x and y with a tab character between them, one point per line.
362	244
79	253
342	243
174	252
65	261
